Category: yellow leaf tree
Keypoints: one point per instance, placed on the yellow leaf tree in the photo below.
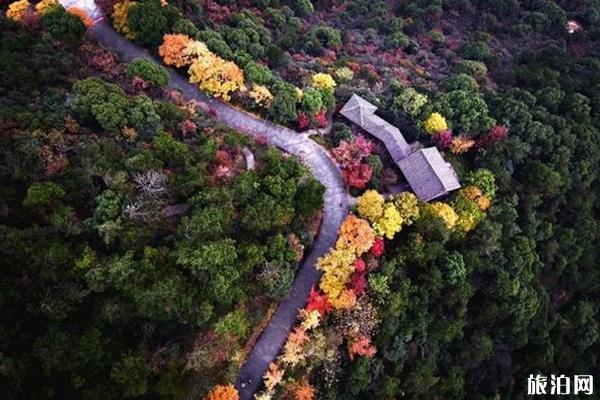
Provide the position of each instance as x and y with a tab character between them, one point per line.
323	82
389	223
194	50
17	10
445	212
337	269
355	234
370	205
260	95
45	5
216	76
408	207
120	18
435	123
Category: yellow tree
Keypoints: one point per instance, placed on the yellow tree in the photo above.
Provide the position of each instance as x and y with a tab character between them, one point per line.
370	205
407	205
337	269
435	123
445	212
120	18
389	223
355	234
323	82
260	95
172	48
216	76
194	50
45	5
17	10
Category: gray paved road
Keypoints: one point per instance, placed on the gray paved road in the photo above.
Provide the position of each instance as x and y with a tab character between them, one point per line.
312	155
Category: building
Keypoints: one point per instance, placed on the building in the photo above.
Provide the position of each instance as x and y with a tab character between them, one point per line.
428	175
362	113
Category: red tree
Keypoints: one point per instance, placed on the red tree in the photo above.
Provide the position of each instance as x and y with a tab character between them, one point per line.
357	176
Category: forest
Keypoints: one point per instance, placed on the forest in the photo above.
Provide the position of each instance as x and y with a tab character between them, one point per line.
143	253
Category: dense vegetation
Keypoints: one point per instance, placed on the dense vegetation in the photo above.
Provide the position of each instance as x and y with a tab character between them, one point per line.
463	300
139	252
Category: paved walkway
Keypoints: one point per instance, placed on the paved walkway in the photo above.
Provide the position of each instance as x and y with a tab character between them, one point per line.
312	155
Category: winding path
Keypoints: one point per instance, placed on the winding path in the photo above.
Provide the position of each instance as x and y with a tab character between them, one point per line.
336	203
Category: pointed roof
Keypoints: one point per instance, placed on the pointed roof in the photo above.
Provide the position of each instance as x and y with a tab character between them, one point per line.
427	173
357	108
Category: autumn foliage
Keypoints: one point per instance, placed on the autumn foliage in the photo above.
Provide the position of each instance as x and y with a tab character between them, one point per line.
435	123
216	76
355	234
350	155
222	392
82	15
318	302
361	347
16	10
171	50
120	18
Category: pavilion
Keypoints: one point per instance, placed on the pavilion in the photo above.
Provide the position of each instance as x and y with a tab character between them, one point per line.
426	171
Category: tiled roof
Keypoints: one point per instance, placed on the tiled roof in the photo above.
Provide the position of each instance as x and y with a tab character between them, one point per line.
425	170
428	174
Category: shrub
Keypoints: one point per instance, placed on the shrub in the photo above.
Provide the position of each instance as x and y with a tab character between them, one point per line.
477	50
410	101
476	69
63	26
435	123
257	73
311	101
17	9
120	17
42	194
150	21
148	71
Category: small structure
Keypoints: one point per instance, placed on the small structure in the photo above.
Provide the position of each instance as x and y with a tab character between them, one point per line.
362	113
428	175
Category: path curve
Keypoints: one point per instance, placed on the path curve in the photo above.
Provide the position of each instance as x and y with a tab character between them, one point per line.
312	155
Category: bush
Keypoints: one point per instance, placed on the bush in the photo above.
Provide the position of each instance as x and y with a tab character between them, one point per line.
42	194
398	40
477	69
340	132
257	73
63	26
186	27
148	71
410	101
283	107
276	277
150	21
477	50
